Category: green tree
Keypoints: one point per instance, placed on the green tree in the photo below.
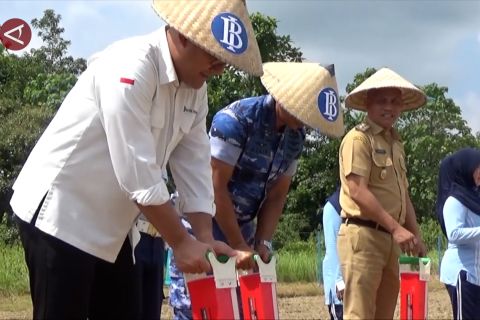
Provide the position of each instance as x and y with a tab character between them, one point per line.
15	73
233	84
32	88
359	78
18	133
49	89
316	178
431	133
53	53
59	71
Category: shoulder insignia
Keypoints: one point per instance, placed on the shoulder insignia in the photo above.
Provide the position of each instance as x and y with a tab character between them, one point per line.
362	127
362	138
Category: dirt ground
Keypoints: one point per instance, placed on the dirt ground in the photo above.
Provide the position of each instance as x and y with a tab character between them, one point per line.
296	301
312	307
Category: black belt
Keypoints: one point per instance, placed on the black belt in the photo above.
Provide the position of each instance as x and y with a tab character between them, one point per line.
365	223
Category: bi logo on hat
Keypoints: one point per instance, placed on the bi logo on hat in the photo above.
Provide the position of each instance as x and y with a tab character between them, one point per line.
328	104
230	32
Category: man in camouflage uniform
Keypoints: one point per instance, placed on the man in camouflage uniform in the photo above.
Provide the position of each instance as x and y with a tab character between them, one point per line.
255	154
255	145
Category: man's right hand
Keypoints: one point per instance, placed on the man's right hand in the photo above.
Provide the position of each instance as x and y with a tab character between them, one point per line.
190	255
340	294
406	240
340	289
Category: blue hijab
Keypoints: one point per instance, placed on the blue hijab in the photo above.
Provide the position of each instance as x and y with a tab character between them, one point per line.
456	179
334	199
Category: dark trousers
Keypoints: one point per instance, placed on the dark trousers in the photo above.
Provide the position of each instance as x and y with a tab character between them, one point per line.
465	298
335	311
67	283
149	267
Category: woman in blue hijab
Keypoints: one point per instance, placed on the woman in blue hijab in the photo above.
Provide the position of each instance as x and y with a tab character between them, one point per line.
458	211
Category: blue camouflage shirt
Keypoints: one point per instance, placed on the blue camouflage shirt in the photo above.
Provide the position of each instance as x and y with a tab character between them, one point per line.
244	135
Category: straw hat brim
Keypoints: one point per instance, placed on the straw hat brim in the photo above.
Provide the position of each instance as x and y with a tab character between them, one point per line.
300	88
202	22
412	97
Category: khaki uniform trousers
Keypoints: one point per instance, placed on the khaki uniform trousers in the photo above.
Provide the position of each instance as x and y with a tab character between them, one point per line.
369	262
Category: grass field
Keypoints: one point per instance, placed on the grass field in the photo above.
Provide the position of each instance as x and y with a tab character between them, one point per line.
296	301
299	297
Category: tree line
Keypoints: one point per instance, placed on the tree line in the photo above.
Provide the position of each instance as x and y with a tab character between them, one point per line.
32	87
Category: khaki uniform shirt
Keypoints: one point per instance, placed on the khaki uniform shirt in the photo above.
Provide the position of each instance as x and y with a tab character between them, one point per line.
371	152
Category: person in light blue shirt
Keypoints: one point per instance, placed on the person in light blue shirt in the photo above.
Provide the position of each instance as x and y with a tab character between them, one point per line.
333	284
458	211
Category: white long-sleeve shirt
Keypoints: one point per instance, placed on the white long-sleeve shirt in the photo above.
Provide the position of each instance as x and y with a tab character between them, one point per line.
105	149
463	252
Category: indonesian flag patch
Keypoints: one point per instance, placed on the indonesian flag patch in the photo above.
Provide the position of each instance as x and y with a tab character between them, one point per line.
127	81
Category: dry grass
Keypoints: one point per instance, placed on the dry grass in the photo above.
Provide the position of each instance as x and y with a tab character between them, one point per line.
298	289
15	307
296	301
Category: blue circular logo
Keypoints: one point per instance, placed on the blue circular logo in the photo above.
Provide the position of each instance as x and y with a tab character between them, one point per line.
230	32
328	104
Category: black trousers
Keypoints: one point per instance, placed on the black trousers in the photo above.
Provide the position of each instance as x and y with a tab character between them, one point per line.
149	265
67	283
465	298
335	311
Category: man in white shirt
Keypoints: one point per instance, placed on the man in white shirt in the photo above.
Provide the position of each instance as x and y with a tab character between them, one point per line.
141	104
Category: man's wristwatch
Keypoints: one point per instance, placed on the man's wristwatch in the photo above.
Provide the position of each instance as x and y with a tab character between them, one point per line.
266	243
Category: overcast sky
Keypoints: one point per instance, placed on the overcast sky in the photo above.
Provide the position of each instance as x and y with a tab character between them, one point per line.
424	41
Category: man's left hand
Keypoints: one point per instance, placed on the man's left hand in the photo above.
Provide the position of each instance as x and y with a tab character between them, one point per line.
340	294
421	248
263	252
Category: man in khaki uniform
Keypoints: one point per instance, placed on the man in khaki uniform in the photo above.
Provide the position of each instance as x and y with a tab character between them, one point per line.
378	218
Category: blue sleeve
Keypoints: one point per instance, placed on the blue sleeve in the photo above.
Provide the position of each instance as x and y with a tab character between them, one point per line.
292	168
228	135
455	215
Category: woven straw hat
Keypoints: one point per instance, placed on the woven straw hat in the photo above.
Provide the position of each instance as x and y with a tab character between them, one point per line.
220	27
308	91
385	78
